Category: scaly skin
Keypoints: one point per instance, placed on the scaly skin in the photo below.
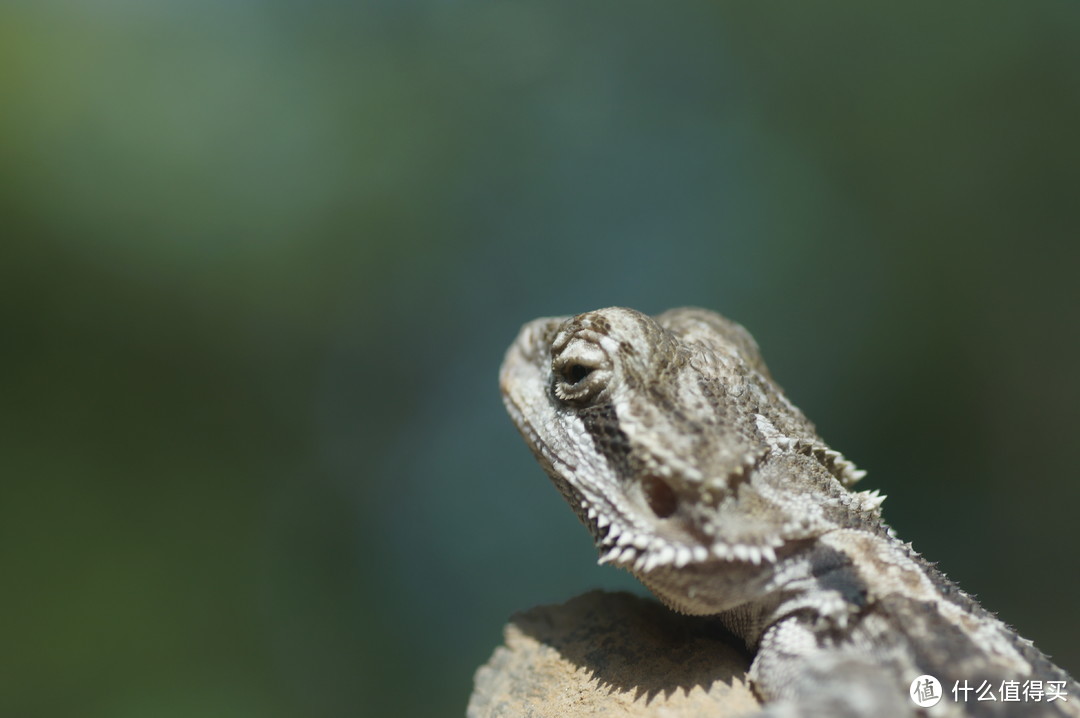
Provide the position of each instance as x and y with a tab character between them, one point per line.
690	468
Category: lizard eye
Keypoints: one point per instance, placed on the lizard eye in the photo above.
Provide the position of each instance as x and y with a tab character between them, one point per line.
581	368
574	373
580	372
577	381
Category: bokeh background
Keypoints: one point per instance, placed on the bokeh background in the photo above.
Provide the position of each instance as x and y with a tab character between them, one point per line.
261	259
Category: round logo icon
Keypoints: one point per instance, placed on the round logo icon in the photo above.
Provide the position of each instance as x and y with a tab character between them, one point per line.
925	691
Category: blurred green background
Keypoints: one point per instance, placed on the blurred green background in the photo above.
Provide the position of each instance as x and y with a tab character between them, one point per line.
260	261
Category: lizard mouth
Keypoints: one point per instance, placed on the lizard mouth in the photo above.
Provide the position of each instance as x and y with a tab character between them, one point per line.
638	549
643	553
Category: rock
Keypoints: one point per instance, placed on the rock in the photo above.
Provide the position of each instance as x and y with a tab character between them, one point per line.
613	654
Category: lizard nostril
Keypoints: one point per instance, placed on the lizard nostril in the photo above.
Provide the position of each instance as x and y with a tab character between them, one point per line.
660	496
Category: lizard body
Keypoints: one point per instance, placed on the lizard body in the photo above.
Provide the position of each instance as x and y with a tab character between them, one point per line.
692	470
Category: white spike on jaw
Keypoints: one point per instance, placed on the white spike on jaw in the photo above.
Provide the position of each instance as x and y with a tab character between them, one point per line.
610	555
744	552
664	555
591	513
625	539
602	521
683	556
656	554
661	553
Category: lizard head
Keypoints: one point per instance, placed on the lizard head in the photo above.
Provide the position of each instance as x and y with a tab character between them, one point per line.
669	438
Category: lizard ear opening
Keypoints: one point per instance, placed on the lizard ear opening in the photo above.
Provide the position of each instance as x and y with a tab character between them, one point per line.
660	496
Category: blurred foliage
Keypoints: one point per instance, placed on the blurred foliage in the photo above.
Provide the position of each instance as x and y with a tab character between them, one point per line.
261	260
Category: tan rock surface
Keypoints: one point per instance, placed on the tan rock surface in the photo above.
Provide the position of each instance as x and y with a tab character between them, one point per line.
612	654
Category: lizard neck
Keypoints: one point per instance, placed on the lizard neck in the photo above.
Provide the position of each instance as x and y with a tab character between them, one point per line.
853	588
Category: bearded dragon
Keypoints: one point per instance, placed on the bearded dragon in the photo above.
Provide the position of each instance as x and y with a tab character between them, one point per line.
691	469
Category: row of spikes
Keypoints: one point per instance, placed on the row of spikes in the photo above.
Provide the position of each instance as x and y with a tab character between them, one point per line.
844	470
645	553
